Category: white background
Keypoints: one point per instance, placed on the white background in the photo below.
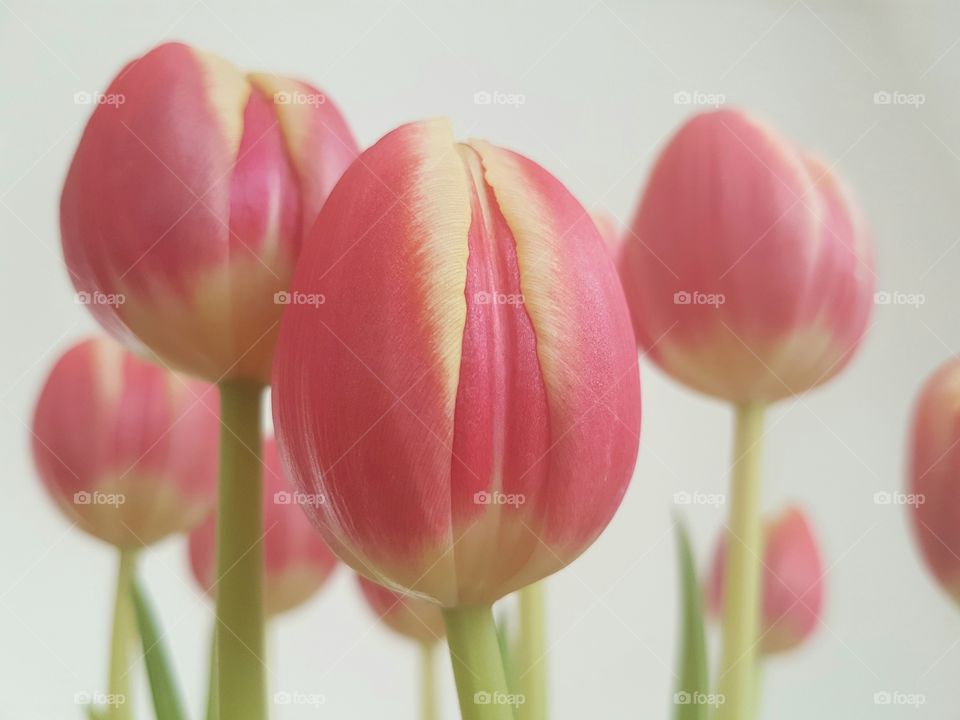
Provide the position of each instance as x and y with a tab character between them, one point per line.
598	80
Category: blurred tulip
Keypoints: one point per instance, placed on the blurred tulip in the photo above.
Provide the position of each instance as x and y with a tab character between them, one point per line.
296	560
934	475
185	206
127	449
410	616
467	397
792	585
748	271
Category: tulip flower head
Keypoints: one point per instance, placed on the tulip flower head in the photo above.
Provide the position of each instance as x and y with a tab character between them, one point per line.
410	616
297	563
934	475
792	585
185	206
127	449
467	398
747	269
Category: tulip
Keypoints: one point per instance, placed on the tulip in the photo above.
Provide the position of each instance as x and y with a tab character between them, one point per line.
747	269
410	616
127	451
416	619
467	396
750	278
297	562
186	203
792	586
182	218
934	476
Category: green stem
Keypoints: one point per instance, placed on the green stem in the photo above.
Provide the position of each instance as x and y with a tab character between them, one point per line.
122	638
741	613
531	655
240	617
213	696
477	664
428	682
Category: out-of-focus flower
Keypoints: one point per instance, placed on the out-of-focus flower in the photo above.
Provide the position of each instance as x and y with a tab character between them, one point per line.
413	617
127	449
748	271
297	562
792	586
467	398
185	206
934	475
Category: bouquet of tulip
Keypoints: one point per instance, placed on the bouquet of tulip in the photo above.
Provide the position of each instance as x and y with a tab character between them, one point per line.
451	344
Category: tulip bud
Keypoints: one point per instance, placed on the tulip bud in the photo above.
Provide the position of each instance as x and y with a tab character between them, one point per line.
748	271
185	206
467	398
934	499
792	583
127	450
410	616
296	560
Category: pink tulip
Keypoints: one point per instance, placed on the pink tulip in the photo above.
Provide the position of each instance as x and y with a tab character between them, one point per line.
934	475
186	203
410	616
127	450
792	586
467	396
748	271
297	562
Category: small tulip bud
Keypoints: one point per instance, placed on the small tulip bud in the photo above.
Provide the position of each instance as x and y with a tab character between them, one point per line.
792	589
408	615
127	449
297	562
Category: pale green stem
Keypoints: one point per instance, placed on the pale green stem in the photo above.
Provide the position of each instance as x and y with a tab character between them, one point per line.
741	613
428	682
213	697
123	638
477	664
241	683
531	654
